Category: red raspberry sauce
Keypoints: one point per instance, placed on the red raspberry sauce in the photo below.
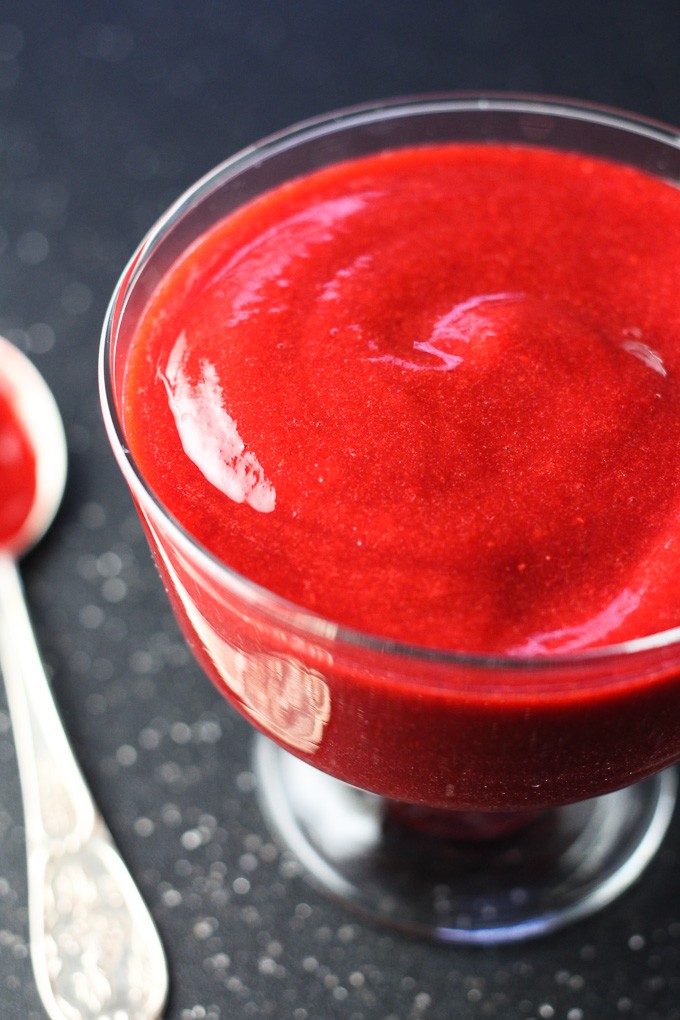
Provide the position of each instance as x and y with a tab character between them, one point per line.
17	474
432	395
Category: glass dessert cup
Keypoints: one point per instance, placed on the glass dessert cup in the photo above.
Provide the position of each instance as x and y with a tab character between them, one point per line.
464	797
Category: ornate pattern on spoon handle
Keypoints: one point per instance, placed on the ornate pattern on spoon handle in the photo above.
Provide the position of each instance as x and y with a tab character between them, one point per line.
95	950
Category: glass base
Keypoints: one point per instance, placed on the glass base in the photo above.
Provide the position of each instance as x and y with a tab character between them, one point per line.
460	876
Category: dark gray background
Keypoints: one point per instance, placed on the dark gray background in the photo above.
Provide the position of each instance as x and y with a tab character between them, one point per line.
107	112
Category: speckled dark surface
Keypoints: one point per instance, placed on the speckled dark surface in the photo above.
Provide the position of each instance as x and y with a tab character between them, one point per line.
107	112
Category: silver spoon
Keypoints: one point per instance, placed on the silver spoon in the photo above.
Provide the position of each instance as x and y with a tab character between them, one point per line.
95	950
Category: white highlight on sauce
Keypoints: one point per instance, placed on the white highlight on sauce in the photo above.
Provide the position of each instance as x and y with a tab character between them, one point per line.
644	353
468	321
209	435
243	280
571	639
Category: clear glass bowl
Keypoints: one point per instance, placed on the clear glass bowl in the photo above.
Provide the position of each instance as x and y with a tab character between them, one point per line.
466	797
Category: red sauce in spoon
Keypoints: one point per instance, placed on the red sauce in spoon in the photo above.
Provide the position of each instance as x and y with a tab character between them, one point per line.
17	473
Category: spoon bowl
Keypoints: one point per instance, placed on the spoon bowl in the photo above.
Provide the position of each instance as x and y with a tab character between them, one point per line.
36	410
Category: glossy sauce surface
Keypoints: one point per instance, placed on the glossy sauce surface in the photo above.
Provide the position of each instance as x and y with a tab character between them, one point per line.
431	395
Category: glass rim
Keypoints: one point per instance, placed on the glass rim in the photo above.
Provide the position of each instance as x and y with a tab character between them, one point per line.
303	620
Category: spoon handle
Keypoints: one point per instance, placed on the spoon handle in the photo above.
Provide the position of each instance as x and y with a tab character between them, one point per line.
94	947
